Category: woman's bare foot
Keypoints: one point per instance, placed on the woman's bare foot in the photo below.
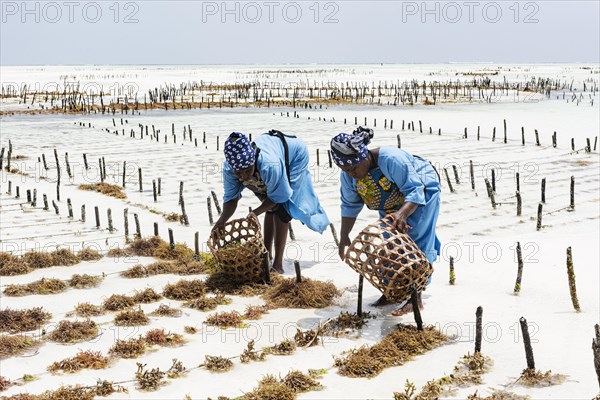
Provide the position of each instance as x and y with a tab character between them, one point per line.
407	308
382	301
277	268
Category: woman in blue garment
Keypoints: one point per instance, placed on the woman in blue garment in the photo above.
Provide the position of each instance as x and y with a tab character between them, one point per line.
399	185
275	168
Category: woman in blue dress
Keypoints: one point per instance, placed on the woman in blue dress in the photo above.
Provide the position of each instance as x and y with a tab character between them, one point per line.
399	185
275	168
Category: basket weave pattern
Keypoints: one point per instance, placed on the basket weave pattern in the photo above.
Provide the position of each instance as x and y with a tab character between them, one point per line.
389	259
240	249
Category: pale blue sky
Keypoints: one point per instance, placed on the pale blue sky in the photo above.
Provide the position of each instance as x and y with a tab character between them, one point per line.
273	32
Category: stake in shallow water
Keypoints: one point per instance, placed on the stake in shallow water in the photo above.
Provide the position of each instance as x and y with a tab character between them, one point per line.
517	288
478	328
571	276
527	343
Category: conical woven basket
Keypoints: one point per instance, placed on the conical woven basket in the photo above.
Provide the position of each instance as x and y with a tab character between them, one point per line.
240	249
389	259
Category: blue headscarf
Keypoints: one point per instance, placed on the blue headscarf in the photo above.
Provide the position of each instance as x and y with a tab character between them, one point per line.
348	150
239	152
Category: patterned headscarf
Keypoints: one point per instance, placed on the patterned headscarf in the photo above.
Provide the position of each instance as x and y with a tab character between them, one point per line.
239	152
348	150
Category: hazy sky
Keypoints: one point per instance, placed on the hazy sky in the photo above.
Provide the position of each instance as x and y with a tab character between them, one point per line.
267	32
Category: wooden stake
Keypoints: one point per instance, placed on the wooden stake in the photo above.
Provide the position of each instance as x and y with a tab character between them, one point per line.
83	213
55	206
329	157
159	185
216	201
518	179
360	295
399	142
490	192
68	165
154	189
110	222
186	220
539	217
472	174
596	351
85	162
505	137
34	200
571	276
140	179
456	174
171	239
517	288
494	180
138	232
180	192
414	299
291	230
478	328
70	208
97	214
124	172
527	342
519	204
210	214
448	180
452	279
126	224
537	138
155	226
197	245
298	273
45	202
335	235
543	190
572	196
318	161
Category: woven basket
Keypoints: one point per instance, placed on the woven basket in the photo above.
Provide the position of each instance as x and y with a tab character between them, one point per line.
239	249
389	259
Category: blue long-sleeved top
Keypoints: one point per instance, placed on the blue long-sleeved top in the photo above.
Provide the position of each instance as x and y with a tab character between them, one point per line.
296	196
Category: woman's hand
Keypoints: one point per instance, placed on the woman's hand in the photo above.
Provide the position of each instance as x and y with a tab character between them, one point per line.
399	221
344	242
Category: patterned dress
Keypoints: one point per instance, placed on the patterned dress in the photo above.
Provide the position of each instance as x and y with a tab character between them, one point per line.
378	192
